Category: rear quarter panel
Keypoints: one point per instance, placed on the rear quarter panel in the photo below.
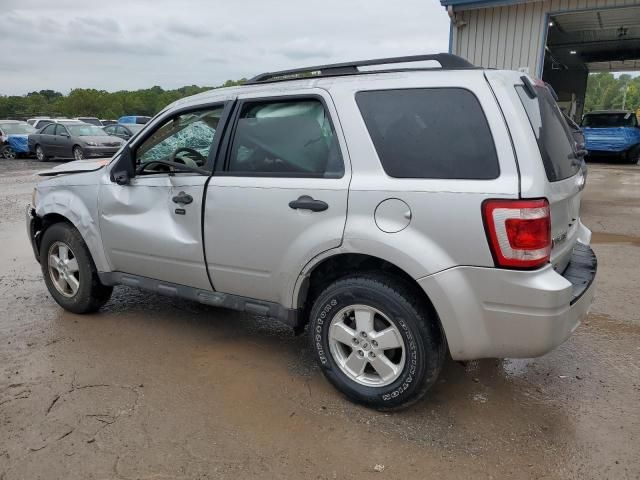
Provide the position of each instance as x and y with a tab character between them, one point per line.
446	227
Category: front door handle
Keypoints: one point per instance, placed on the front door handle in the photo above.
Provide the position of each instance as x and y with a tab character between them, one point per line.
305	202
183	198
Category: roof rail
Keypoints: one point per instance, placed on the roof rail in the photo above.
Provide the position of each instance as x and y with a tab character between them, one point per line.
447	61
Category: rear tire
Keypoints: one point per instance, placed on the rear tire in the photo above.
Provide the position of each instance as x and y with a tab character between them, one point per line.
69	272
40	155
633	155
400	354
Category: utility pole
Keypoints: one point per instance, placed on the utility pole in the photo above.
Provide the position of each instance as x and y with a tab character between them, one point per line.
624	96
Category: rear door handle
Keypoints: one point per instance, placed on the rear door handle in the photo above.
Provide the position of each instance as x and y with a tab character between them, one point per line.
183	198
305	202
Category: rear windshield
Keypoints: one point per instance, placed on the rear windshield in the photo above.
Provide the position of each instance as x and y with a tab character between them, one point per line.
555	141
430	133
610	120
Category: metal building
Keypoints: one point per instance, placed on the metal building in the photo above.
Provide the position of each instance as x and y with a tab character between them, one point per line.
560	41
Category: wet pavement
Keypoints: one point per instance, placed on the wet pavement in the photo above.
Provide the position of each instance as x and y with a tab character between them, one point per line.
153	387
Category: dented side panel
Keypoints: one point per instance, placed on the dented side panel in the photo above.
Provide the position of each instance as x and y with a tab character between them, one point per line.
146	233
78	204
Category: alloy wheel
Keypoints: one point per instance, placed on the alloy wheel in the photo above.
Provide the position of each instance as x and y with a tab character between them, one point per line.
63	269
9	153
367	346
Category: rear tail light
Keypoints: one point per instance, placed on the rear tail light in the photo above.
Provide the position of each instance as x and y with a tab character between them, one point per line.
519	232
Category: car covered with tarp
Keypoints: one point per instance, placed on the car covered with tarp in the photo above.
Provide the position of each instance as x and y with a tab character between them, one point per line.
14	138
139	119
612	132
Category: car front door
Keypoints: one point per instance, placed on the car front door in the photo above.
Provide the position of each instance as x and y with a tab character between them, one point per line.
62	143
279	198
152	227
47	139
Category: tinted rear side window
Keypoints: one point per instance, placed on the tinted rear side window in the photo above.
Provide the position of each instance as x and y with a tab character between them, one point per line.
553	135
430	133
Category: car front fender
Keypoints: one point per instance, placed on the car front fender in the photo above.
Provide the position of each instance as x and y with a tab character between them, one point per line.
79	207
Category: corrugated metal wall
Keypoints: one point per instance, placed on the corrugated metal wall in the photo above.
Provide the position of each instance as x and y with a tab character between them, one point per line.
512	37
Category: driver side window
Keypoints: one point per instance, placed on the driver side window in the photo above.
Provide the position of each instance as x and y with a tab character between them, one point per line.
186	138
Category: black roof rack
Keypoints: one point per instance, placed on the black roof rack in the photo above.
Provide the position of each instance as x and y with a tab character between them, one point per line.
447	61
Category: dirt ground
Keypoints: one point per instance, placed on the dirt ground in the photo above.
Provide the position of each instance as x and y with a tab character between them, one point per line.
153	387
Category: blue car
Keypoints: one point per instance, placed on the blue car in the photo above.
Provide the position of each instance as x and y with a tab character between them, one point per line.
612	132
13	138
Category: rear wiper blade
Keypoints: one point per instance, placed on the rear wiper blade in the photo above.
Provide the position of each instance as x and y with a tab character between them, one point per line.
578	154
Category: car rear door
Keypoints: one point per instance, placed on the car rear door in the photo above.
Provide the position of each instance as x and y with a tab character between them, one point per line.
278	196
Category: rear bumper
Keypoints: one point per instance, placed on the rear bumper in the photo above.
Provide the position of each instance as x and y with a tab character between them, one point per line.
496	313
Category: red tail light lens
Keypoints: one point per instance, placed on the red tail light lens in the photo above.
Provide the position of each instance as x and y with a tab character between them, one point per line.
519	232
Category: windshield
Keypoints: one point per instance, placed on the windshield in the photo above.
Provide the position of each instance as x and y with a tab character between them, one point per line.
85	130
134	127
17	128
610	120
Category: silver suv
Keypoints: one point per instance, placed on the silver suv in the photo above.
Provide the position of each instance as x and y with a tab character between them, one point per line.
399	215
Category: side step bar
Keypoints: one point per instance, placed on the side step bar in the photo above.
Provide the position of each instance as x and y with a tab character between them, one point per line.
270	310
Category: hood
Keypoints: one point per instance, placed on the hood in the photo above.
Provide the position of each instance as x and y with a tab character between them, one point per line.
101	140
78	166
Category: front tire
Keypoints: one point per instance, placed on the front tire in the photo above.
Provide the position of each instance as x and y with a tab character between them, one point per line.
40	155
8	153
69	272
78	153
376	341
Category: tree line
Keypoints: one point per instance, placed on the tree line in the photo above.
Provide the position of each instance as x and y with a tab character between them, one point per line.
606	92
89	102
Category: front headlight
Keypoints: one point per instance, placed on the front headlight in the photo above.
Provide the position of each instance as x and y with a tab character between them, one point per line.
34	196
91	144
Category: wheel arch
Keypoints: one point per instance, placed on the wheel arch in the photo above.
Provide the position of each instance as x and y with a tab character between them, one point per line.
330	268
65	206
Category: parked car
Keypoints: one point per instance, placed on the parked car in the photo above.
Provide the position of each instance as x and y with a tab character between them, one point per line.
72	139
13	138
397	215
612	133
90	120
124	131
40	122
134	119
108	122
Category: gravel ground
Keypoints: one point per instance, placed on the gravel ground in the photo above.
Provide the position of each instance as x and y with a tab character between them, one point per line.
153	387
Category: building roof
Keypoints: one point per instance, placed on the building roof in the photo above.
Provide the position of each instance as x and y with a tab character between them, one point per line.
477	3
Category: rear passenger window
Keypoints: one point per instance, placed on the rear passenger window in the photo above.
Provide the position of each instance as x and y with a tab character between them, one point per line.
430	133
285	138
552	132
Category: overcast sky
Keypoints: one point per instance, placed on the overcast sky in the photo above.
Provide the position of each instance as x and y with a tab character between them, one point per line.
115	45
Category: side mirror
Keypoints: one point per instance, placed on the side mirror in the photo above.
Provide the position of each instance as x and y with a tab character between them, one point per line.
123	171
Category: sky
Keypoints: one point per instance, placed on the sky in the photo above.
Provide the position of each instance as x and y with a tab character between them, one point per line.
126	45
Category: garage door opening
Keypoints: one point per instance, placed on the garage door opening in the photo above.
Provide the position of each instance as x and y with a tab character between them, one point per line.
590	41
